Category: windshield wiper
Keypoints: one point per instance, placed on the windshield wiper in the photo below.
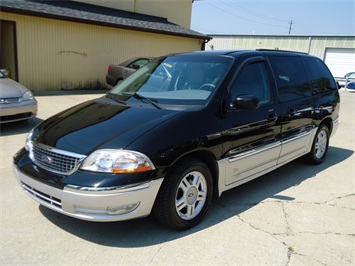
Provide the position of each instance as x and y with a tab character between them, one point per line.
141	97
113	96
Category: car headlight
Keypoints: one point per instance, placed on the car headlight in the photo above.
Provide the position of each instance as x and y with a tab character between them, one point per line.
29	139
117	161
27	96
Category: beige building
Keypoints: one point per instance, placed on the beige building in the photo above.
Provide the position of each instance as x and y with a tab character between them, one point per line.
176	11
52	45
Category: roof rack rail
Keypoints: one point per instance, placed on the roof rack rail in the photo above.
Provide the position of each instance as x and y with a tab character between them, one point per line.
277	50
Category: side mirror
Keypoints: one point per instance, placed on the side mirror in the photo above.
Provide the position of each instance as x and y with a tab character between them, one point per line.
248	102
5	72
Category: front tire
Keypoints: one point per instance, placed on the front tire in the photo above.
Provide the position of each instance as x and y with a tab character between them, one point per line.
319	147
185	195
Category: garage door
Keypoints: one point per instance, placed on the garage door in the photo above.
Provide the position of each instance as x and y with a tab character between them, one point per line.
340	61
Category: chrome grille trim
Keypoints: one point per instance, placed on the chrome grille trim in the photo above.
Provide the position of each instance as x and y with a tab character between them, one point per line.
55	160
10	100
42	196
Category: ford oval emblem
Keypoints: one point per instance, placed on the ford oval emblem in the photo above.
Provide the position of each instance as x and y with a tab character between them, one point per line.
46	159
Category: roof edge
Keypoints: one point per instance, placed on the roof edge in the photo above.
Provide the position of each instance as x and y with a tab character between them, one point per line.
203	37
279	35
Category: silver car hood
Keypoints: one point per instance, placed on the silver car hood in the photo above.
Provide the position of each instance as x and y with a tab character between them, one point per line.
11	89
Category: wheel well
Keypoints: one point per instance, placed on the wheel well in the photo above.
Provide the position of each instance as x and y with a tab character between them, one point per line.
328	123
210	162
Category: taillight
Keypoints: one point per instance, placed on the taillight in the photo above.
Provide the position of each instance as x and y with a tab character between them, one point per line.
108	68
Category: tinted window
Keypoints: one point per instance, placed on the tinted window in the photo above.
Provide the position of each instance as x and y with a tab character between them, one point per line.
320	76
177	80
138	63
291	77
252	79
350	75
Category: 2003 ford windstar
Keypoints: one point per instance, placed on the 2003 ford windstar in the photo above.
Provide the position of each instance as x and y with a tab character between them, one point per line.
179	130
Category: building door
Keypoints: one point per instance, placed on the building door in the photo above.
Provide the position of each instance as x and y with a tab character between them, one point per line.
8	51
340	61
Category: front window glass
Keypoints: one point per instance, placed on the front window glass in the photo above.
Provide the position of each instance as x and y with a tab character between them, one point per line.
176	80
252	80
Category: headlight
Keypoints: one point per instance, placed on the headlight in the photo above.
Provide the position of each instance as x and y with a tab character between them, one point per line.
117	161
28	140
27	96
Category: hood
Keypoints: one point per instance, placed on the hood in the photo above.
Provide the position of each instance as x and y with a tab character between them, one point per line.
98	124
11	89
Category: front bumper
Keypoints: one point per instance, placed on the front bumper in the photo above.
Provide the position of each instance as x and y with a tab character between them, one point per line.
93	204
110	80
335	126
18	111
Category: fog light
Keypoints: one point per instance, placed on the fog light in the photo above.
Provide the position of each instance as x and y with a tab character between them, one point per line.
122	209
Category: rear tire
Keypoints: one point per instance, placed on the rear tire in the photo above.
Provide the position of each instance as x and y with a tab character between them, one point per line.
185	195
319	147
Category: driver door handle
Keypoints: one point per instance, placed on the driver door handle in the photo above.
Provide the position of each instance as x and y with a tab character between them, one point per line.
272	117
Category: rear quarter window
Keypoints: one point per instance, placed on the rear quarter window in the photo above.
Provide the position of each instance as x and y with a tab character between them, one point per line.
319	74
291	77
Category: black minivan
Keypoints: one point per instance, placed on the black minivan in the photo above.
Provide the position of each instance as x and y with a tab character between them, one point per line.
179	130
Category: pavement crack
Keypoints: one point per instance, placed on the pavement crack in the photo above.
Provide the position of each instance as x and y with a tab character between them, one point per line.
289	249
288	228
153	257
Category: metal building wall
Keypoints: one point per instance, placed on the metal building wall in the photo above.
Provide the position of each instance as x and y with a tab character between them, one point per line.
319	44
314	45
55	54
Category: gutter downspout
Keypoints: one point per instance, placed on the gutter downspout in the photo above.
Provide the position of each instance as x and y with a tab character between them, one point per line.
203	44
309	44
135	6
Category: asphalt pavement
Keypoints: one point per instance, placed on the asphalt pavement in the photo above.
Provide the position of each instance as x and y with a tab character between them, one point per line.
296	215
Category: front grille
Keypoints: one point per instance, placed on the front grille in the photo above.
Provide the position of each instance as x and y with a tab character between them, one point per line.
22	116
55	160
42	196
9	100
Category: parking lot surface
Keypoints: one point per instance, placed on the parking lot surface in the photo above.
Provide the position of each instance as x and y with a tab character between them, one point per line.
296	215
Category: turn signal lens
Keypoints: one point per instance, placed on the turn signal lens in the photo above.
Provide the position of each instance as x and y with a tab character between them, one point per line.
122	209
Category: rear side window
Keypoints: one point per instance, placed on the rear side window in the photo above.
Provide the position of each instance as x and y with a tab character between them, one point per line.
320	76
138	63
291	77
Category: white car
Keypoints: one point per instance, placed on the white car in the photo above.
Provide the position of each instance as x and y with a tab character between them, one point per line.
16	101
348	77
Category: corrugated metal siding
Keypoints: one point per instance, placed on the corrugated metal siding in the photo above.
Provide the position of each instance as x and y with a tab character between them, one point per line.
320	44
314	45
65	55
271	43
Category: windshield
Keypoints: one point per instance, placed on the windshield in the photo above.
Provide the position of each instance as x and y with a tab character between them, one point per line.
176	80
